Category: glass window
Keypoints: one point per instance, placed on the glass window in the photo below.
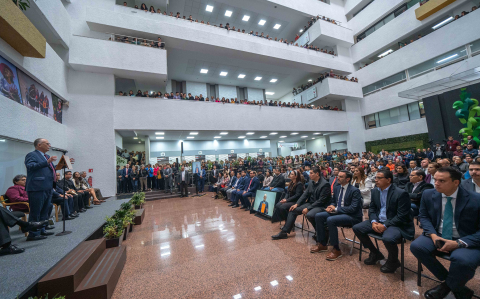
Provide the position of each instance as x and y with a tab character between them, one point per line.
475	46
385	82
384	117
388	18
437	61
369	31
379	25
400	10
371	121
414	110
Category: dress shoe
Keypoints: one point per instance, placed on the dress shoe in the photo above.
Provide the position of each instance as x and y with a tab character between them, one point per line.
247	208
12	249
34	226
318	248
373	258
390	267
231	205
235	206
47	233
69	218
334	254
242	207
48	227
463	293
36	238
439	292
82	210
280	235
74	215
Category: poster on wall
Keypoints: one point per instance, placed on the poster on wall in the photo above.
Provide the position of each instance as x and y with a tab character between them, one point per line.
232	157
261	155
162	160
9	86
35	96
200	158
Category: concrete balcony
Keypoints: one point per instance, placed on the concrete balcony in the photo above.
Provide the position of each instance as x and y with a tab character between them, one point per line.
459	33
323	32
334	9
378	9
123	60
333	89
253	117
181	34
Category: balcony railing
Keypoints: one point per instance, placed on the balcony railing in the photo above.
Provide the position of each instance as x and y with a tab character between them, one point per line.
131	40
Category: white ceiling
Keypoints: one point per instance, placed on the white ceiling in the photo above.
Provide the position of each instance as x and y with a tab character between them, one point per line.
128	135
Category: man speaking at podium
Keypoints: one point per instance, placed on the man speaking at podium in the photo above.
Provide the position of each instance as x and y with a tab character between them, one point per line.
39	186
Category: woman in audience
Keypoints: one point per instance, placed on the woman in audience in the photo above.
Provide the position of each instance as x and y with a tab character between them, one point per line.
268	178
152	9
134	177
143	7
17	193
80	185
218	184
431	170
150	177
293	193
402	177
364	184
160	180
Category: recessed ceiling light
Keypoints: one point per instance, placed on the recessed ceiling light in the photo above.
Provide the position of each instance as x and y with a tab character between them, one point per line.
139	142
301	30
228	13
190	137
273	80
273	133
223	133
241	136
209	8
193	133
203	71
283	137
385	53
223	73
135	137
258	78
294	134
262	22
217	137
277	26
241	76
316	133
159	133
250	133
257	288
159	137
442	22
310	80
313	137
304	136
245	18
263	136
281	141
269	93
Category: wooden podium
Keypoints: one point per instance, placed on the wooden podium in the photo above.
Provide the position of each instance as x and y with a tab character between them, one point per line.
64	163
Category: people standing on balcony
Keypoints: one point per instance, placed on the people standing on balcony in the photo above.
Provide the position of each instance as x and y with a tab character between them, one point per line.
152	9
143	7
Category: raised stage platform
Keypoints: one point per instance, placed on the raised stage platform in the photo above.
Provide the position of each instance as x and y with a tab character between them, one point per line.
22	271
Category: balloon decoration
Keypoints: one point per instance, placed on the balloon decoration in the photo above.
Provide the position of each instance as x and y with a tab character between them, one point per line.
468	112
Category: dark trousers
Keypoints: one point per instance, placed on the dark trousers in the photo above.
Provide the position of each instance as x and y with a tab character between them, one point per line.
119	187
292	216
183	188
77	203
127	185
281	211
415	209
463	262
7	219
160	184
59	201
83	197
39	202
245	200
390	237
236	196
149	182
201	184
332	221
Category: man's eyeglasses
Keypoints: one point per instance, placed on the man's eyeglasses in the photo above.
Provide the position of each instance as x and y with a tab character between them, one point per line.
379	177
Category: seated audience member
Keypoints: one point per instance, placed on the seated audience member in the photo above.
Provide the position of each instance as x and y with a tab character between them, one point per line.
217	185
314	200
449	215
82	195
72	200
345	209
98	193
412	166
17	193
415	189
80	185
392	223
431	170
238	191
444	162
268	179
78	201
460	165
401	178
233	187
231	182
459	152
364	184
251	186
8	219
294	191
278	182
473	183
57	198
471	150
390	165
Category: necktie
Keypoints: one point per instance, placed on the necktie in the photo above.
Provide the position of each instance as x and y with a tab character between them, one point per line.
339	204
249	184
447	230
51	166
333	183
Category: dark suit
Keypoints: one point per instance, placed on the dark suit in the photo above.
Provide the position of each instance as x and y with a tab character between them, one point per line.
469	185
417	195
83	197
236	195
251	186
293	194
315	199
463	261
77	199
183	183
349	213
126	180
39	186
7	219
399	221
278	184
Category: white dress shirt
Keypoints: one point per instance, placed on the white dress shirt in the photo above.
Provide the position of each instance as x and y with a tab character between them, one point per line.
444	202
477	188
183	176
415	186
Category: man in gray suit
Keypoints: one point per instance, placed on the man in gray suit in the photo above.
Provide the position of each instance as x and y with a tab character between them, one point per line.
473	183
168	174
182	181
412	167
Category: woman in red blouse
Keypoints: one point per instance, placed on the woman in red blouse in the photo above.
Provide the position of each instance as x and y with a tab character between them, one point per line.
17	193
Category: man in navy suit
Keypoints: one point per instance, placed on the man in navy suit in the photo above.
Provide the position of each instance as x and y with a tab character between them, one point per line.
389	216
126	180
451	215
39	186
237	193
346	209
473	183
250	190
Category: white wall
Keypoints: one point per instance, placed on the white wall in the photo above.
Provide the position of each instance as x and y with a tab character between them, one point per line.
334	10
371	14
338	137
119	140
318	145
227	91
254	94
412	127
197	88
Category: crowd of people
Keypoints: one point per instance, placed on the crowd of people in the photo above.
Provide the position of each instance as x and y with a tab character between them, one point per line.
212	99
330	74
159	44
419	36
36	193
312	21
227	26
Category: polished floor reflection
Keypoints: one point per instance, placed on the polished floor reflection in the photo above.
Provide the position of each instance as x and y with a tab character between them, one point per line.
201	248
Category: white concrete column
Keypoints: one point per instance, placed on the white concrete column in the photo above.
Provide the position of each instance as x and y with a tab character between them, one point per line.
356	127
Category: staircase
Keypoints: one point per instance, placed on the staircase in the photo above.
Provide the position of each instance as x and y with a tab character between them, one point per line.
88	271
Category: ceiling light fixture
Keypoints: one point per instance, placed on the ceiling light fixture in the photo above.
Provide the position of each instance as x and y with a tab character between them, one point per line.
223	133
245	18
442	23
263	136
217	137
241	136
283	137
209	8
135	137
190	137
273	80
262	22
258	78
273	133
250	133
203	71
385	53
241	76
277	26
269	93
159	133
281	141
310	80
228	13
193	133
301	30
223	73
294	133
159	137
316	133
304	136
449	57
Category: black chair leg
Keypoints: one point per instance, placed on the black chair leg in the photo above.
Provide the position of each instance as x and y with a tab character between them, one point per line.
360	254
419	274
402	261
353	244
376	243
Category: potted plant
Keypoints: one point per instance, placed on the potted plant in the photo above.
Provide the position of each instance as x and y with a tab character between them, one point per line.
138	199
113	232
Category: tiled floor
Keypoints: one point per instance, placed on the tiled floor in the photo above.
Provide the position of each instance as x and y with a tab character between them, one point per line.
201	248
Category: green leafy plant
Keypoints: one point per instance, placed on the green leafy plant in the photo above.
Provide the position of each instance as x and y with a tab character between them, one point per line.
468	113
398	143
22	4
113	228
138	198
